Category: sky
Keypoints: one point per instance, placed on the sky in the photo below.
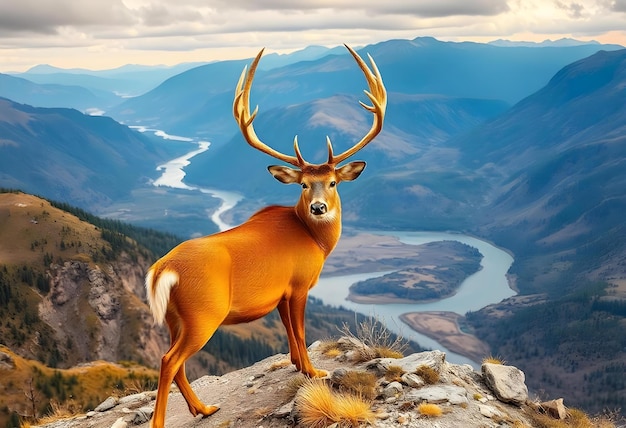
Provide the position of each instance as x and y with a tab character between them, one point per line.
104	34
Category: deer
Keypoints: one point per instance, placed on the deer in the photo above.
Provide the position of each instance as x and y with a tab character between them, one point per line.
270	261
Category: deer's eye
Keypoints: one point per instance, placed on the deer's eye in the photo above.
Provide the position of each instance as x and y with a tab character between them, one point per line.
304	186
333	184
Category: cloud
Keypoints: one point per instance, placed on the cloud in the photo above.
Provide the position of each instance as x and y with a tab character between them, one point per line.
47	16
439	8
136	29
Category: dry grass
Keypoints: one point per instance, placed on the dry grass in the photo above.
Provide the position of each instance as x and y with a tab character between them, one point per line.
59	411
330	348
377	336
575	419
359	383
394	373
494	360
319	406
429	410
292	386
279	365
427	373
387	353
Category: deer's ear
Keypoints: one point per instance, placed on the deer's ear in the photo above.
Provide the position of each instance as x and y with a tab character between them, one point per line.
350	171
284	174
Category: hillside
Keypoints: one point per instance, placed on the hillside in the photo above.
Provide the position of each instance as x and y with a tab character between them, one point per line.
555	197
73	95
67	156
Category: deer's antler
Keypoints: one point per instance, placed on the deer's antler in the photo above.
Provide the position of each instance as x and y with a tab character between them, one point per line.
241	111
378	96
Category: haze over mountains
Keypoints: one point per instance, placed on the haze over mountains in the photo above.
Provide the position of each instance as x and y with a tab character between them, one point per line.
522	145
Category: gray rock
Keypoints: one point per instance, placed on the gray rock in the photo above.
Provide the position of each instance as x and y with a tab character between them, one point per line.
432	359
142	415
392	390
107	404
413	380
439	394
506	382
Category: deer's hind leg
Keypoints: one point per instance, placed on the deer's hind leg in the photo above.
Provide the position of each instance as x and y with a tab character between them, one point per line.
196	407
192	324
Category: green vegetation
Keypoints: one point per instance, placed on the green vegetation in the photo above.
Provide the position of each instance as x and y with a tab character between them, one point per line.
576	343
116	232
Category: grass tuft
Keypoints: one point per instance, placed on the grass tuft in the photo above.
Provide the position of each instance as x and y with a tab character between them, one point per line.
319	406
359	383
429	410
494	360
430	375
394	373
279	365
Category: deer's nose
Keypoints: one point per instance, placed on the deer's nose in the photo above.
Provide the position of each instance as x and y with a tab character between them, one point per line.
318	208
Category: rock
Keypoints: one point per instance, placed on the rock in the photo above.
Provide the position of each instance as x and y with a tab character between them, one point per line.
413	380
142	415
285	410
392	390
489	411
439	394
554	408
107	404
6	361
506	382
120	423
432	359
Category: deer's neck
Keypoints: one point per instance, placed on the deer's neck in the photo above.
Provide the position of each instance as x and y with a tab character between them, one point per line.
324	230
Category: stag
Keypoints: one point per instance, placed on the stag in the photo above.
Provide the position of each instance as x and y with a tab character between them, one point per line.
270	261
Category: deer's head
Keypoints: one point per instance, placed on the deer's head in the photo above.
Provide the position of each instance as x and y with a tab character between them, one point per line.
319	199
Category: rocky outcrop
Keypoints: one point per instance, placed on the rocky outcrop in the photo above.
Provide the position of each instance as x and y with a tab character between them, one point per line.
264	395
95	308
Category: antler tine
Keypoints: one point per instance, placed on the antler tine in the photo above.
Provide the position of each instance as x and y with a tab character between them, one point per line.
377	94
241	111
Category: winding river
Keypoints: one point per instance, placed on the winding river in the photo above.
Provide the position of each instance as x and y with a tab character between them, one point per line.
488	285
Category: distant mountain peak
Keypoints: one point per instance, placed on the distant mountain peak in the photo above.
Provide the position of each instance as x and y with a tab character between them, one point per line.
563	42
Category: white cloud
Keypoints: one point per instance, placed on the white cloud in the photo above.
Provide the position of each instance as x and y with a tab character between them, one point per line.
202	30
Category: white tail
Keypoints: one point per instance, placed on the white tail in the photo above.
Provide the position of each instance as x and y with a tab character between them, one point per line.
158	291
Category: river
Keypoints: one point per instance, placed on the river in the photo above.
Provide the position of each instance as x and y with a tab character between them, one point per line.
488	285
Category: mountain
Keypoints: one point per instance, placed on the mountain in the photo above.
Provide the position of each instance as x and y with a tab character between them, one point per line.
198	102
415	128
553	192
68	156
54	95
559	155
554	43
126	81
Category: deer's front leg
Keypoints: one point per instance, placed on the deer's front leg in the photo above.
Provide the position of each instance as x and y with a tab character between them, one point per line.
297	307
283	310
